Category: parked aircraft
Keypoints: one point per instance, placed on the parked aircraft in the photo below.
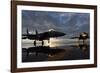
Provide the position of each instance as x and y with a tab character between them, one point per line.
42	36
83	36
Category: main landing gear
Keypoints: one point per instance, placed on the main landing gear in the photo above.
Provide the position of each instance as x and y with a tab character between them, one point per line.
42	42
35	43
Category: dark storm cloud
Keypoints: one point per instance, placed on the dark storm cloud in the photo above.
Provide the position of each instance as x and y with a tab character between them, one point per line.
68	22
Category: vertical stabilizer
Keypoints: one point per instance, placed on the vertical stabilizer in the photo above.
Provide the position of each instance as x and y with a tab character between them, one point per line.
27	31
36	33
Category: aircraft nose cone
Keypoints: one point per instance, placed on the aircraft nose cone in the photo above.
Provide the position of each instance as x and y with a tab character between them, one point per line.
63	34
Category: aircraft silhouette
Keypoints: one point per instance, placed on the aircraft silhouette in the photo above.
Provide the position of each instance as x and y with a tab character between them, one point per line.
83	36
42	36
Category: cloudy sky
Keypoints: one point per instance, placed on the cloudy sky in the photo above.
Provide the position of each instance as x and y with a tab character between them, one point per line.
67	22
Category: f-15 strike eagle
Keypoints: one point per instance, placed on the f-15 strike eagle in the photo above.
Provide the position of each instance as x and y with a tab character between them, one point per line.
42	36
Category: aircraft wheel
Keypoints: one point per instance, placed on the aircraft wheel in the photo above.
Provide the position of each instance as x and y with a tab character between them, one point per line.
34	43
42	43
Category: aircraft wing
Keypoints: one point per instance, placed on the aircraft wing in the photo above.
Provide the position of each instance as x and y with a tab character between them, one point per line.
24	37
28	36
34	37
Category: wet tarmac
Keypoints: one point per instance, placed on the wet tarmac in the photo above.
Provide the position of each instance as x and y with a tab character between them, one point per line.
47	53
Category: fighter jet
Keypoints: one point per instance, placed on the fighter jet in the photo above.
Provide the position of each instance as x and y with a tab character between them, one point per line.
83	36
42	36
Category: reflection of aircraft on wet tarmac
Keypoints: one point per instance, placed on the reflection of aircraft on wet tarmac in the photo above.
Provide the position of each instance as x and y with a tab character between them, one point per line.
44	50
83	36
42	36
83	46
84	49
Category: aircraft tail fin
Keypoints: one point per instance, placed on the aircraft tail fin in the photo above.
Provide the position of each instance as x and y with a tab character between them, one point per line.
27	31
36	32
37	35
